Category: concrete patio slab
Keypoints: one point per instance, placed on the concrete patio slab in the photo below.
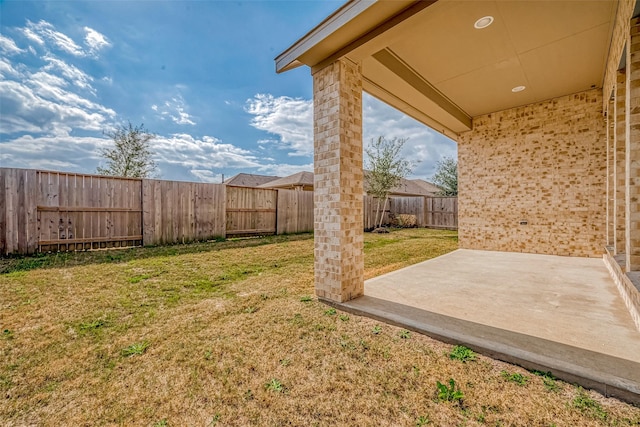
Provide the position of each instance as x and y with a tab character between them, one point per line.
552	313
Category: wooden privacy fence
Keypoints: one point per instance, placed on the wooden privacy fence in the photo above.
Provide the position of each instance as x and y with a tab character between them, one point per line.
431	212
52	211
179	212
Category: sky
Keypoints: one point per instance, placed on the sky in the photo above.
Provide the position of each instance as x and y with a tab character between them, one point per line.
200	75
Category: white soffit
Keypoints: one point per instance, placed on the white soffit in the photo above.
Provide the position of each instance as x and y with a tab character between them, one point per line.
435	66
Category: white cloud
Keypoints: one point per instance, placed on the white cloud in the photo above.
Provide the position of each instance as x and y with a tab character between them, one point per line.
95	41
62	152
40	102
285	169
174	109
43	30
201	153
73	74
205	175
8	46
7	70
424	146
31	35
289	119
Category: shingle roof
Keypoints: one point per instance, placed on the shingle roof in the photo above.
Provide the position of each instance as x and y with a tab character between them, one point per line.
249	180
429	186
297	179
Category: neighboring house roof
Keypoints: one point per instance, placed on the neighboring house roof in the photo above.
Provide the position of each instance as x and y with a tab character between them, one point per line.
249	180
467	64
408	187
411	187
300	179
430	187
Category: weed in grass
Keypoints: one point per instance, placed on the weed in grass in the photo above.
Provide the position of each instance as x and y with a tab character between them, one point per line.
250	310
95	324
548	380
585	404
161	423
208	355
404	334
5	382
306	298
135	349
7	334
297	319
423	420
516	377
449	394
138	279
364	345
330	312
275	385
285	362
376	330
344	317
462	354
215	419
346	343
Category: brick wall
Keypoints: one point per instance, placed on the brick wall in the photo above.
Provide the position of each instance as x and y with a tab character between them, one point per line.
543	163
338	182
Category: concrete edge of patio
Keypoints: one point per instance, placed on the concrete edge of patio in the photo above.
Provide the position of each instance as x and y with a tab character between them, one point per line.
606	374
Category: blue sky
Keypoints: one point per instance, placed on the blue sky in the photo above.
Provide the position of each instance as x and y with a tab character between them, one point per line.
198	74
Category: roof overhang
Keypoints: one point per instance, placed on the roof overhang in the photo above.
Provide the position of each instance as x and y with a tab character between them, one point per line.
428	60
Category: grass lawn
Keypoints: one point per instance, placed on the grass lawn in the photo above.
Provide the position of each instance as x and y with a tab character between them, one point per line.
230	333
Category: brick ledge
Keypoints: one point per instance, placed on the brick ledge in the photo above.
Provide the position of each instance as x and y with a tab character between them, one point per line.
629	290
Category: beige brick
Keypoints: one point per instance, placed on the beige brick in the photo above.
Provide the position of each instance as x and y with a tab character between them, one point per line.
619	153
632	155
544	164
338	182
618	40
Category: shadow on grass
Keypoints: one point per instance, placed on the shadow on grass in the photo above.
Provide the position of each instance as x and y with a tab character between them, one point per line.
117	255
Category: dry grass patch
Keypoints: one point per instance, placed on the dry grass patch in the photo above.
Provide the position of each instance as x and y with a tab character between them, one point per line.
229	333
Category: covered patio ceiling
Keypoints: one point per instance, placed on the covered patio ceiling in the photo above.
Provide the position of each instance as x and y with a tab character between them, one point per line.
427	59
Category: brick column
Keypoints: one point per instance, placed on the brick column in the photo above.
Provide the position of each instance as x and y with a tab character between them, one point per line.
619	170
338	182
632	154
610	172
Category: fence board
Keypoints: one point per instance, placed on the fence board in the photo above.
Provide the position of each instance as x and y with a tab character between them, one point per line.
442	212
77	211
251	211
18	218
43	210
180	212
295	211
409	206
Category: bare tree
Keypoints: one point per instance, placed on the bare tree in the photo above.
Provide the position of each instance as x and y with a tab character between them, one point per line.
131	154
446	176
385	169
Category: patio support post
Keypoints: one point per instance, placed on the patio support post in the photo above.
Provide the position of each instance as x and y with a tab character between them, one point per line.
338	182
619	170
632	155
610	172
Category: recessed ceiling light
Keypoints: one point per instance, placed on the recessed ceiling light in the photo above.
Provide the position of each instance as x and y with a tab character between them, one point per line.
483	22
518	89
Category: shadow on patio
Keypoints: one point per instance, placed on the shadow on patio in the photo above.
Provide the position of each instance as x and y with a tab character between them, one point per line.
544	312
